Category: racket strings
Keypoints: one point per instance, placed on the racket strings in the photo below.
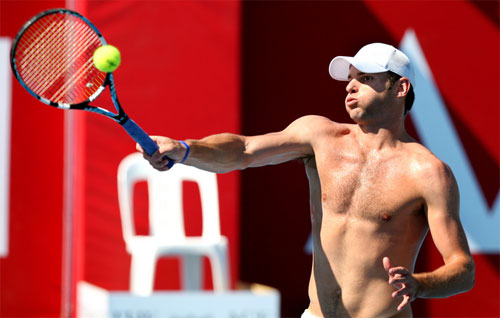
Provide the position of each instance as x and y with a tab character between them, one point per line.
54	59
83	69
41	53
56	51
39	65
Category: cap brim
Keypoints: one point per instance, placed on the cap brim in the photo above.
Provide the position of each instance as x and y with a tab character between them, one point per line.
339	67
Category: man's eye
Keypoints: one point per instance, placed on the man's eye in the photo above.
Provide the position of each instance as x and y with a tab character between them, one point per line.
366	78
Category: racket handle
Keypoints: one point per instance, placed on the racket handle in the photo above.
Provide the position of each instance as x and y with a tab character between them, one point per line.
149	146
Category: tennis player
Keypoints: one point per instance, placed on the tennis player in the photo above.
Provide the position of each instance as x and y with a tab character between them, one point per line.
374	192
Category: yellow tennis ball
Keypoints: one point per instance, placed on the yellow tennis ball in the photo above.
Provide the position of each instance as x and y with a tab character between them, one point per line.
107	58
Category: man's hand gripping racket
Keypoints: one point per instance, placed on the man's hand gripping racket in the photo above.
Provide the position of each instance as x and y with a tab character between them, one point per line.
52	59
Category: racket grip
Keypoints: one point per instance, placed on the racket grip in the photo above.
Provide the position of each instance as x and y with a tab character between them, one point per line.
140	136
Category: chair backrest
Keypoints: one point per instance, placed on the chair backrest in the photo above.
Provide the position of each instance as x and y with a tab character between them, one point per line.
165	198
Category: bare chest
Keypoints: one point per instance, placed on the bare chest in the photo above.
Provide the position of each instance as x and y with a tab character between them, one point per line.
370	187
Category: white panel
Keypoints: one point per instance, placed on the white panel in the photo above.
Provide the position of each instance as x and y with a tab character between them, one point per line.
5	106
95	302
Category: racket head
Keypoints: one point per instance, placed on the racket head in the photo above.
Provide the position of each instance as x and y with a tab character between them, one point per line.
51	57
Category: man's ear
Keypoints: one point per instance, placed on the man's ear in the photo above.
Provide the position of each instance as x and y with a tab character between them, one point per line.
403	86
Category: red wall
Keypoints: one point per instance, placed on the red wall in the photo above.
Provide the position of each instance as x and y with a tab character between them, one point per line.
287	47
30	275
197	67
180	78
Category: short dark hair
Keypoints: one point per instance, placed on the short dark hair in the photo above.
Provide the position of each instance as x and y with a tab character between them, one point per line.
410	97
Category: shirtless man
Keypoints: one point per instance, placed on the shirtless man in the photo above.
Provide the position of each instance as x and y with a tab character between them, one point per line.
374	192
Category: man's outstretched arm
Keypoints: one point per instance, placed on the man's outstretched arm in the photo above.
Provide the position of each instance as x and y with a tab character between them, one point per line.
227	152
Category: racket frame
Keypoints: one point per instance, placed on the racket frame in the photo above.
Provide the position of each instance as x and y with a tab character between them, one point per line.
120	117
44	100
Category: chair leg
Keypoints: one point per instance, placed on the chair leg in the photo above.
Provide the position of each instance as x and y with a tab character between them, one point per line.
142	273
192	272
220	268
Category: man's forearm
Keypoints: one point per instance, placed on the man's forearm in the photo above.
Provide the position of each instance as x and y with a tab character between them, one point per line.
218	153
450	279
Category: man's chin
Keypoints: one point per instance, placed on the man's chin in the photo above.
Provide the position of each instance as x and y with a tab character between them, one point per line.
357	115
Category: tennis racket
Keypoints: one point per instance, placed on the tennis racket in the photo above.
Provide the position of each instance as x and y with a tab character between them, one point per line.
51	57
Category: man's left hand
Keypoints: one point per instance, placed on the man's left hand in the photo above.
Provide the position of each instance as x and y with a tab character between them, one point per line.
401	279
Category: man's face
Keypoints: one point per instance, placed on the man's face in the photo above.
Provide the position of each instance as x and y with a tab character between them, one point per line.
367	94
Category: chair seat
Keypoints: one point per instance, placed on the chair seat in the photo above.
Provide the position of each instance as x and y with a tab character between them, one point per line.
185	245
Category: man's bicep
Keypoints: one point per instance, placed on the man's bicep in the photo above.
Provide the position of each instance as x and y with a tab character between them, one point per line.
442	199
293	142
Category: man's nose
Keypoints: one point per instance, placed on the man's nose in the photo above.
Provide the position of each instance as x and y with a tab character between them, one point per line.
352	87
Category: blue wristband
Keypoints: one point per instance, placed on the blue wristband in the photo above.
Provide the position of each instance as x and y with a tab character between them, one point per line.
187	150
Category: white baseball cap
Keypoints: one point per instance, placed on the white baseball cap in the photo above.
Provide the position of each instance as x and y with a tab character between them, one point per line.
373	58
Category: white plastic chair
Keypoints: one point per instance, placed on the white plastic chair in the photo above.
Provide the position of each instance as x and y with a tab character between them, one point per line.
166	222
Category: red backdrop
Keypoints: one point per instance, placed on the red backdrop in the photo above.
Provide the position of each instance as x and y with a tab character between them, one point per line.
287	47
195	68
179	78
30	275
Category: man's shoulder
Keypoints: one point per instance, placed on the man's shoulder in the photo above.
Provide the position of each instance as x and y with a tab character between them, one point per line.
425	165
317	124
